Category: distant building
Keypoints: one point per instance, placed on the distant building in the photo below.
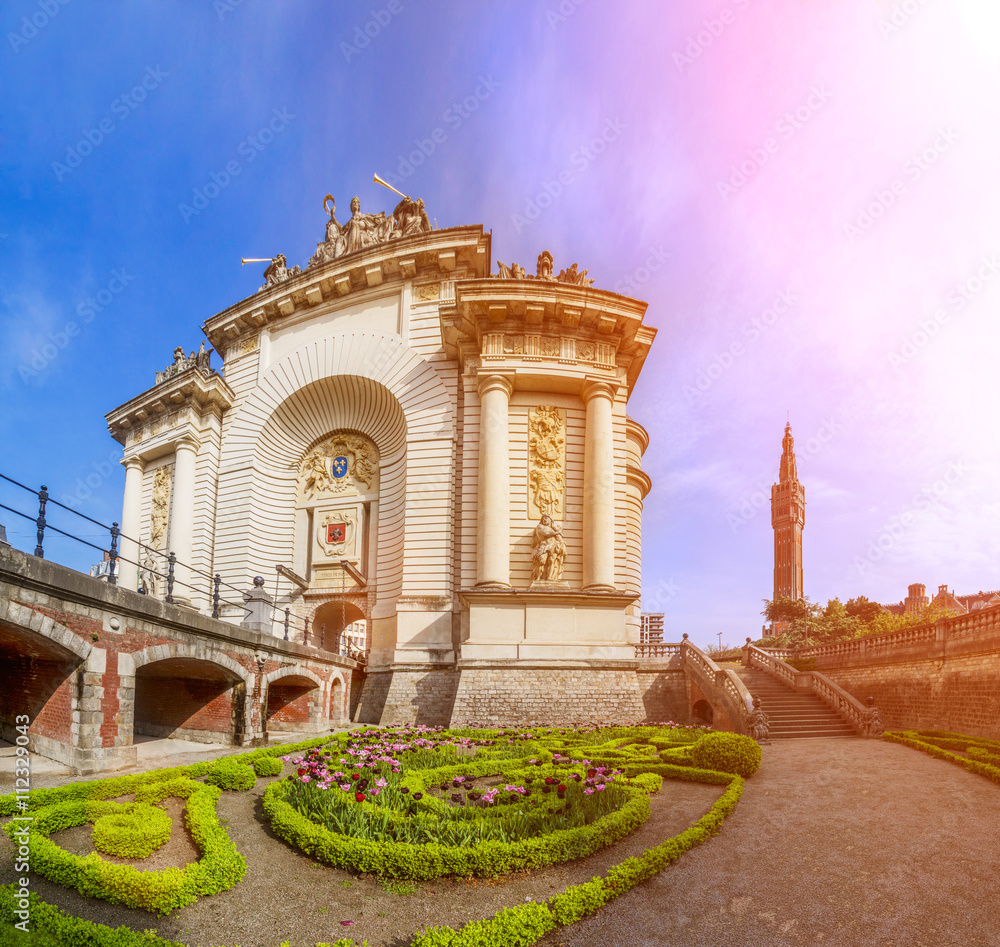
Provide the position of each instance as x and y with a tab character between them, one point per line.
945	601
651	628
788	517
106	569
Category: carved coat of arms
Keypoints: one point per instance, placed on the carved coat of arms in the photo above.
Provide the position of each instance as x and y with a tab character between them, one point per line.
342	463
546	462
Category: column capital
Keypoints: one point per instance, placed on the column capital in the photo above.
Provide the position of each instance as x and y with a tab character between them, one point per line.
187	442
598	388
491	381
134	461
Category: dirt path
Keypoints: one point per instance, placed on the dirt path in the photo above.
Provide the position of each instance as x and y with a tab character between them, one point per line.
841	842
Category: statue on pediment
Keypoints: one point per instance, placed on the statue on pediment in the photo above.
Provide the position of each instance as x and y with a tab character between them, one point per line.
278	271
544	271
200	359
361	231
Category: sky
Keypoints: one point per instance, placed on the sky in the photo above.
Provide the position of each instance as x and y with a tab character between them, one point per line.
805	194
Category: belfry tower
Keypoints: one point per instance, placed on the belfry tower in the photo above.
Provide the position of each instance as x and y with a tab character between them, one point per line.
788	516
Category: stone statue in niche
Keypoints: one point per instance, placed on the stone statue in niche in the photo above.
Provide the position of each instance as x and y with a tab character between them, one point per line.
548	551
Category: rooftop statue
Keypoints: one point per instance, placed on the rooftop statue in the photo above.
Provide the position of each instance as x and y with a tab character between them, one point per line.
543	271
368	230
278	271
200	359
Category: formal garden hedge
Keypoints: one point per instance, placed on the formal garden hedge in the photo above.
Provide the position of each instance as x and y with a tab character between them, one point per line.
982	756
414	804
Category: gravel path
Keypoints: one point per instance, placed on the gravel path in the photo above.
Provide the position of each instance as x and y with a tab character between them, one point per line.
840	842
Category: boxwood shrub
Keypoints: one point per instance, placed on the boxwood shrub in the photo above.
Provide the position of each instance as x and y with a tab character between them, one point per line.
228	773
133	831
727	753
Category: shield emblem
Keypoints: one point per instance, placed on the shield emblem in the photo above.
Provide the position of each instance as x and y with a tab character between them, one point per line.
336	532
339	468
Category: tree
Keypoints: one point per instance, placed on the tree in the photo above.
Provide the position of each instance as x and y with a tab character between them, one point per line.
862	609
788	609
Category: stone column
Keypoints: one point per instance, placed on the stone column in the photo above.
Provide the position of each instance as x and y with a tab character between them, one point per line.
181	541
493	552
599	487
128	571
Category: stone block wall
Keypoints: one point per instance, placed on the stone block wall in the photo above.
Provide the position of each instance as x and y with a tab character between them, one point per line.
664	695
547	697
961	694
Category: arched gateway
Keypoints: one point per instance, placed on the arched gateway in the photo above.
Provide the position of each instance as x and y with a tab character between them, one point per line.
398	438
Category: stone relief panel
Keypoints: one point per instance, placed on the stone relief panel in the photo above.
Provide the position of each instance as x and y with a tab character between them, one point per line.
546	462
160	511
344	464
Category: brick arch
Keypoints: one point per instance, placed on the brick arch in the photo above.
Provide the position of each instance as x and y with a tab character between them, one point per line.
27	619
337	677
292	670
177	649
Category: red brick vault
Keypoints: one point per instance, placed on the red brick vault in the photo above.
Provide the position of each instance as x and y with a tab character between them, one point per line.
92	666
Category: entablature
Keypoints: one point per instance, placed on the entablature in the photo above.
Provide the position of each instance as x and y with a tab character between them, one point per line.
186	397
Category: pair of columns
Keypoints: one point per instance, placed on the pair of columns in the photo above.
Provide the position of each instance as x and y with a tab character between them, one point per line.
180	539
493	549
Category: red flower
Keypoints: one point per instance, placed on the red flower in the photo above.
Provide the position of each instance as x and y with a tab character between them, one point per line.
302	772
355	776
360	796
591	772
561	787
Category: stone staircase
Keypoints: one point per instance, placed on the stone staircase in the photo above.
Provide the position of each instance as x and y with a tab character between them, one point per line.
789	714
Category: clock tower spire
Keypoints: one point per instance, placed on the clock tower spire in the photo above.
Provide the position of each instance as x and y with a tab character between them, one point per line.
788	516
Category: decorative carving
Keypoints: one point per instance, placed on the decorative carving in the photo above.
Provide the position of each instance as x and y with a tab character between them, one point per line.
278	271
245	346
429	291
336	533
872	721
200	359
585	351
513	345
546	461
337	465
548	551
161	508
756	723
549	347
368	230
543	271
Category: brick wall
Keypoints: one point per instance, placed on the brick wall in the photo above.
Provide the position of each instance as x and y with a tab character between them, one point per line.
420	697
42	690
166	705
289	705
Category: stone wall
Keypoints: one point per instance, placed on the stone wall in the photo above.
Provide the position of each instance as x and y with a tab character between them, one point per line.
664	695
424	698
963	695
523	696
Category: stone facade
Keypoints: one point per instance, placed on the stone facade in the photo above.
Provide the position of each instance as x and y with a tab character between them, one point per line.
399	438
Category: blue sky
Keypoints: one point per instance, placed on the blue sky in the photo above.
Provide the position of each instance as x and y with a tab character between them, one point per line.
807	197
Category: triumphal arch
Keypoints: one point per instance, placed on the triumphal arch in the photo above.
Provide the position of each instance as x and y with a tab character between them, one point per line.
399	436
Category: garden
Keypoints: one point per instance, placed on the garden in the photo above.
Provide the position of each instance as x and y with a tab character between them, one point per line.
418	836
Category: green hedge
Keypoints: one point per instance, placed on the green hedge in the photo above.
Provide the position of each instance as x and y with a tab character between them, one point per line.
918	741
424	862
133	831
228	773
219	868
727	753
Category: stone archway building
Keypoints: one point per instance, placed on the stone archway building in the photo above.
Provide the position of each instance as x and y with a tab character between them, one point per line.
442	453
